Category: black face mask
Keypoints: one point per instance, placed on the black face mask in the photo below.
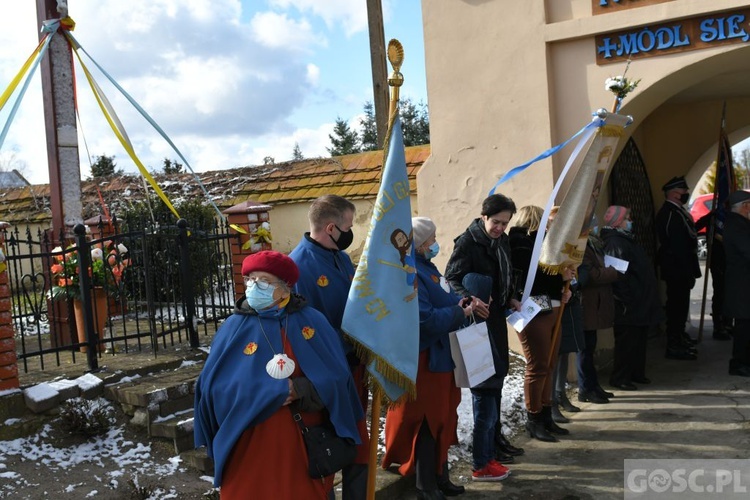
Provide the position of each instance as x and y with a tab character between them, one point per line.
684	198
345	238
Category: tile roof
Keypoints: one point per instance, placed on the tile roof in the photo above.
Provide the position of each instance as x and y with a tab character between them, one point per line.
355	176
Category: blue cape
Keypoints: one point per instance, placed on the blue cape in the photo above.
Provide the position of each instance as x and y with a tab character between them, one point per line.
324	280
234	392
439	314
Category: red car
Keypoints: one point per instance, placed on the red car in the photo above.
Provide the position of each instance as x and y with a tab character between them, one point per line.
699	207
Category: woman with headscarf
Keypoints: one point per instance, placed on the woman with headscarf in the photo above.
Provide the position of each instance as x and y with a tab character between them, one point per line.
271	353
418	433
637	305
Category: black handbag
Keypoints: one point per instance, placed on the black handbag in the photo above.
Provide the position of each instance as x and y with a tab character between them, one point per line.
327	453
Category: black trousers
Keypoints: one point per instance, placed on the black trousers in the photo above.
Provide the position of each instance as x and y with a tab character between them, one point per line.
587	377
630	353
741	345
677	309
718	273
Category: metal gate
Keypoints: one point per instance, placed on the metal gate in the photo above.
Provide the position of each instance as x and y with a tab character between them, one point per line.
173	284
629	187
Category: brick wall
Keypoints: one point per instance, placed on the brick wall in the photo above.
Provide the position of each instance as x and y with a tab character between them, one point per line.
8	365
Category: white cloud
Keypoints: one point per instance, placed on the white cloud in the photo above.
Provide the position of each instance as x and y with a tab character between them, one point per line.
194	66
278	31
313	74
350	14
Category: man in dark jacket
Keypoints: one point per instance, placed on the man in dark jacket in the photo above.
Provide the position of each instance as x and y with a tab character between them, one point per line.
483	249
637	306
737	247
678	260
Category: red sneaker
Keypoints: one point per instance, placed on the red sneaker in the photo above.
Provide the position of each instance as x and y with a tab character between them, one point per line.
493	471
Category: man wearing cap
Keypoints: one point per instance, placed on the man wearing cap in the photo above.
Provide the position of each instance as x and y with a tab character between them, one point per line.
678	260
737	248
326	273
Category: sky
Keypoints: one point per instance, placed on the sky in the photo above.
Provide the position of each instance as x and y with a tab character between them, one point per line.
229	81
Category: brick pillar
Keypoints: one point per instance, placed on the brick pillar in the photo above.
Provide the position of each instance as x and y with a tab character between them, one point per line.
249	215
8	361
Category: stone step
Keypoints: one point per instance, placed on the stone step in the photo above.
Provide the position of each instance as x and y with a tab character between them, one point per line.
154	397
198	459
178	428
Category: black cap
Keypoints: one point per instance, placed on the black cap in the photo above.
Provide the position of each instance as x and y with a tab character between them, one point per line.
675	183
738	197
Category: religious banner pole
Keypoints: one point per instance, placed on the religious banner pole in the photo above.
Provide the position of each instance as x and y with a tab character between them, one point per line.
384	378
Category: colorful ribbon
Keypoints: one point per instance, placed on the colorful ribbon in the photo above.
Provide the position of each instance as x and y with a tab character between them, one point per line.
517	170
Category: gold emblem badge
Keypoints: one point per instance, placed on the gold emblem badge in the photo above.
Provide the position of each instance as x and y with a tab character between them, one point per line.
323	280
250	349
435	278
308	332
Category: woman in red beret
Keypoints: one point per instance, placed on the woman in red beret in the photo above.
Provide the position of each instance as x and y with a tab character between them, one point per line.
273	351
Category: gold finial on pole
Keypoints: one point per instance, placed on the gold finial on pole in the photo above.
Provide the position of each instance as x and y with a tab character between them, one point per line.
396	58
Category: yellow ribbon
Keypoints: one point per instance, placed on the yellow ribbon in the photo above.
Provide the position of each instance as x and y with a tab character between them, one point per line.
17	79
119	130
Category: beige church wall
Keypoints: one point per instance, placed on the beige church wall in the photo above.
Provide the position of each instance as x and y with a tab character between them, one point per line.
507	80
487	89
289	223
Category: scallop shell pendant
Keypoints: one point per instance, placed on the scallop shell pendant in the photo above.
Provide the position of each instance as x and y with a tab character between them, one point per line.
280	366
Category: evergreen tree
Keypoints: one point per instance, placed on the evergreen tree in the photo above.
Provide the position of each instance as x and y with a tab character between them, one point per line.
172	167
415	123
369	128
297	153
269	160
104	166
344	140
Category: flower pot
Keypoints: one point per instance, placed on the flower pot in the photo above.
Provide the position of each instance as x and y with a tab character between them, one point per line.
99	304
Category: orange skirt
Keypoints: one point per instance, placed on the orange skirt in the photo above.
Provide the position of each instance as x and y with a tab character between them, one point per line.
437	401
270	461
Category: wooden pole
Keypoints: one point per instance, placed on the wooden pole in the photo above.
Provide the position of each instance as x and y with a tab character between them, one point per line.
56	71
396	58
712	225
379	69
558	326
374	436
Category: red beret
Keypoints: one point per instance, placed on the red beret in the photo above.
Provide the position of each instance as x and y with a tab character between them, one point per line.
275	263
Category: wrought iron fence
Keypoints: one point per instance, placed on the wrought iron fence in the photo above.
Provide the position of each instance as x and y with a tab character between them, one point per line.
165	285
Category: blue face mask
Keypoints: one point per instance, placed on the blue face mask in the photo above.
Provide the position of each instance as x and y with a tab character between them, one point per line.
595	230
629	226
259	299
432	251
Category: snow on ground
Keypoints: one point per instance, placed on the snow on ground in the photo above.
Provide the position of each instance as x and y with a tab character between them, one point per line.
122	458
112	451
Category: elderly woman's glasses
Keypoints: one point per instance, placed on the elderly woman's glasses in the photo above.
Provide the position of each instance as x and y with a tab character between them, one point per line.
260	282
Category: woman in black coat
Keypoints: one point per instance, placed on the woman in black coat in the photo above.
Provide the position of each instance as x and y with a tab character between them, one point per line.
483	249
637	305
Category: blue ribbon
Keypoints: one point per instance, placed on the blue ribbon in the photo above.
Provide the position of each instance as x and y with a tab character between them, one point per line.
517	170
22	92
152	122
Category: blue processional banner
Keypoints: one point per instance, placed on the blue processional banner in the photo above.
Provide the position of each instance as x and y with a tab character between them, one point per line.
382	311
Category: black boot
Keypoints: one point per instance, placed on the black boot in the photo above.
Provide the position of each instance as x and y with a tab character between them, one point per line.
430	495
562	399
550	424
536	429
446	486
557	416
502	445
601	392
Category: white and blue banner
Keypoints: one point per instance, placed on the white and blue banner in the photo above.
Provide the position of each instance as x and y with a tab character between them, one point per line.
382	312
